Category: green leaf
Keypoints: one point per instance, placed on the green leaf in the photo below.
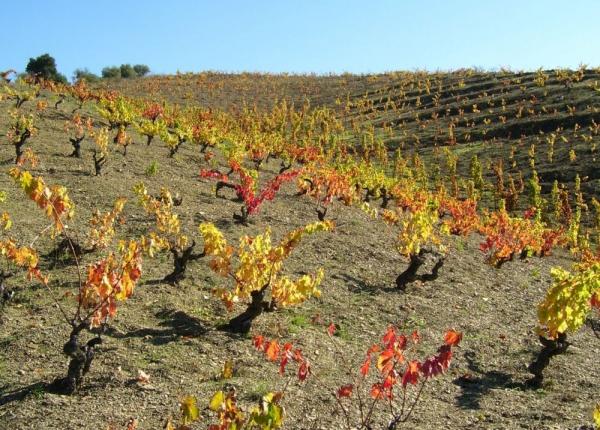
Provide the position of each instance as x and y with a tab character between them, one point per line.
269	415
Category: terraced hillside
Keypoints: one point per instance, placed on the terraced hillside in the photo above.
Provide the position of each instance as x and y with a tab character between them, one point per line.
494	115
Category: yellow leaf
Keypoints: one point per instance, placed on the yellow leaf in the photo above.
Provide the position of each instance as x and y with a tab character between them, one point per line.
217	401
189	410
227	372
169	425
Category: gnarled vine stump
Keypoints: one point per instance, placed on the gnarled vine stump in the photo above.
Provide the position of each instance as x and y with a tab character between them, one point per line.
416	261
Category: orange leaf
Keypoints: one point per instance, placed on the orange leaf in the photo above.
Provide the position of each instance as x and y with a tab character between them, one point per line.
272	350
452	337
132	424
595	301
384	360
416	337
364	369
372	349
297	356
390	380
376	391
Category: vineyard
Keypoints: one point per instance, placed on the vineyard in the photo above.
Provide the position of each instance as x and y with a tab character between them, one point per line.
404	250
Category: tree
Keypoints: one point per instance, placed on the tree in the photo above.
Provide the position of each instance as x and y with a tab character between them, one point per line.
111	72
127	71
141	69
44	66
85	75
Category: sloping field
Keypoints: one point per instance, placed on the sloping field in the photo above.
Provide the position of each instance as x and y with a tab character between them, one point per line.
405	127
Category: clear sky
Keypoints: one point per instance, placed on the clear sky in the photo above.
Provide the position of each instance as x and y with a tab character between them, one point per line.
301	35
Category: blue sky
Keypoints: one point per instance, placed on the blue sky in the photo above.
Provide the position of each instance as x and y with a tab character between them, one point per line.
319	36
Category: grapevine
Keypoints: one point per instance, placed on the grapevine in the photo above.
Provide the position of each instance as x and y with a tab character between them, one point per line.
258	270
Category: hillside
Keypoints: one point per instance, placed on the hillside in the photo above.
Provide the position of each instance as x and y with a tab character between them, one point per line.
494	114
406	127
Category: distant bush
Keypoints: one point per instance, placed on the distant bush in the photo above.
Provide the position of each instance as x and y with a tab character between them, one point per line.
44	66
85	75
111	72
141	69
125	71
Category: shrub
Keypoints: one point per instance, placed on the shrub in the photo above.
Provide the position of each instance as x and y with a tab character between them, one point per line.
111	72
127	71
85	75
141	69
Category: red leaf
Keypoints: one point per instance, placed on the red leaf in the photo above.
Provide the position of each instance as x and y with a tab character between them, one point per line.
444	356
303	370
283	363
258	341
345	391
411	376
389	337
331	329
431	367
437	364
401	342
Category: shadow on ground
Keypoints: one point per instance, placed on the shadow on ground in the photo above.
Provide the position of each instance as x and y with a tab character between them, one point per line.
174	324
474	388
19	394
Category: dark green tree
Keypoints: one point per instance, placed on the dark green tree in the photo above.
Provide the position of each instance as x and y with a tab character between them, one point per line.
111	72
44	66
141	69
127	71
